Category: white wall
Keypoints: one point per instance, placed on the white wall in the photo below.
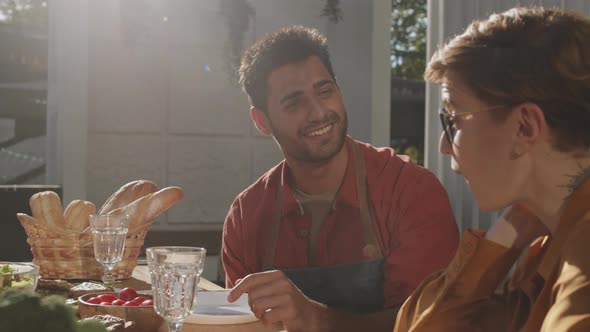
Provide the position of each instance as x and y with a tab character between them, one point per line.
446	19
67	97
139	90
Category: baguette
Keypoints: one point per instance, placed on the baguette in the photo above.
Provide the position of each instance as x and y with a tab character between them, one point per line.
128	194
76	215
46	206
26	219
35	204
148	207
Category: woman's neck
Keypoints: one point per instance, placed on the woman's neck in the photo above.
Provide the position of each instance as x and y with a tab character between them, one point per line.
557	178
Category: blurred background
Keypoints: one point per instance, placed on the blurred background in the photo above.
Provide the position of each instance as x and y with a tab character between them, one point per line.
94	94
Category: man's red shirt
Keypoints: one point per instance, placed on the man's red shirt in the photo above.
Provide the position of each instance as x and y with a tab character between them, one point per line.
413	223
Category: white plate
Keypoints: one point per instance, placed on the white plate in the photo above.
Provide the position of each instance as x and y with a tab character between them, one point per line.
213	308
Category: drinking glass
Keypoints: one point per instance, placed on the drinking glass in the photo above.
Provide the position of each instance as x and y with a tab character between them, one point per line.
200	272
175	274
108	233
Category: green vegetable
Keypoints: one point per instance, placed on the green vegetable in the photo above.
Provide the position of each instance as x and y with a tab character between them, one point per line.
8	280
22	311
5	277
6	269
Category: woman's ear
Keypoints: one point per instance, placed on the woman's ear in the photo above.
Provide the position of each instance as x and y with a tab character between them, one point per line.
531	127
260	120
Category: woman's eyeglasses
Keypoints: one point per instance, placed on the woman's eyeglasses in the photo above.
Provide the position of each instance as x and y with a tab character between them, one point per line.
447	120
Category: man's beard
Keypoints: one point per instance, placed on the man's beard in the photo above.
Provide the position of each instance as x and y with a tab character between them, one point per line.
299	151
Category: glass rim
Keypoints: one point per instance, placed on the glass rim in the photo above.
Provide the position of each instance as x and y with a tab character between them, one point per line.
107	221
108	216
34	267
172	248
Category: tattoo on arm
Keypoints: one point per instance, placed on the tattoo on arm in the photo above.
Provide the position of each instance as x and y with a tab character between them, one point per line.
577	179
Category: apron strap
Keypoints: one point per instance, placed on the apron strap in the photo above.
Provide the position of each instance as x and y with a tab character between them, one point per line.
274	232
371	249
313	235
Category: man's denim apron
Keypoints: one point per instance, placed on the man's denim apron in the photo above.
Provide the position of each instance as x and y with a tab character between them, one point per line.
355	287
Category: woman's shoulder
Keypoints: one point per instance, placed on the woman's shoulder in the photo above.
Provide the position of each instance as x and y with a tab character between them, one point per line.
577	246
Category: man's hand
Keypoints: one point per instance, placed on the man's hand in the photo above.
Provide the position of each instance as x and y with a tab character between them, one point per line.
274	299
516	228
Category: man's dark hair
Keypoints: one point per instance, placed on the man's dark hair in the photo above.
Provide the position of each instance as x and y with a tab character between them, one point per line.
285	46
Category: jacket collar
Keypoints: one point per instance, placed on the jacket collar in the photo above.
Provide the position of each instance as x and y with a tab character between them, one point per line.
575	206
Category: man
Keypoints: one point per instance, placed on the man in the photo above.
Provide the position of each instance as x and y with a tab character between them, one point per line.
337	235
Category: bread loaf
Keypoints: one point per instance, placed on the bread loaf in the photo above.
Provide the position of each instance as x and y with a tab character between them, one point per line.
35	204
46	207
148	207
127	194
23	217
61	241
76	215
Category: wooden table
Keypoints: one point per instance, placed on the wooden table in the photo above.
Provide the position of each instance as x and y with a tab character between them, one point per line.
141	281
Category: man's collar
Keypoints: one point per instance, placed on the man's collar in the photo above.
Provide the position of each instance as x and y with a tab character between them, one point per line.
347	195
289	203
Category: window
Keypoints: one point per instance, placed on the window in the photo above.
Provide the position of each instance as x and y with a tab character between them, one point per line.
23	90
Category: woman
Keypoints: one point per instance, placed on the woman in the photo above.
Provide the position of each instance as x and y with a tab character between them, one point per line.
516	118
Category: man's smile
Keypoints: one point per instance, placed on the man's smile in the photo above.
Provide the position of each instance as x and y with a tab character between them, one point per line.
321	131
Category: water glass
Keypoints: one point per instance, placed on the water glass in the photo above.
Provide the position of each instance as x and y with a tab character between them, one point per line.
175	274
200	273
108	233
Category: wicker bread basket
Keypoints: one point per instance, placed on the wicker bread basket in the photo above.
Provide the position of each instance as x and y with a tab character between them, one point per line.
61	240
70	255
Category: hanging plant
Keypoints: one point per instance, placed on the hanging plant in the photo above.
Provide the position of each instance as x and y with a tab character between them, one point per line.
238	14
332	11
